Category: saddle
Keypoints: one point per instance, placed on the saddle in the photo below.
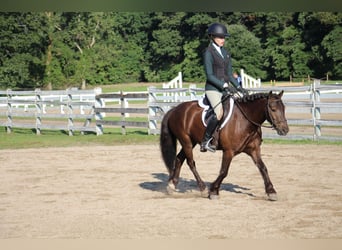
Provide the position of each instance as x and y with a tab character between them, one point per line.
208	111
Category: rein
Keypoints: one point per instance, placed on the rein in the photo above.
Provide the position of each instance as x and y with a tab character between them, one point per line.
255	123
273	123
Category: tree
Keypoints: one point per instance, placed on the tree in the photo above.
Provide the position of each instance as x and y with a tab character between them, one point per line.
195	40
246	51
64	49
332	43
165	49
290	58
21	53
314	27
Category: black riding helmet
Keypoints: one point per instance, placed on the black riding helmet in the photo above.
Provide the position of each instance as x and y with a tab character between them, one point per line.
217	30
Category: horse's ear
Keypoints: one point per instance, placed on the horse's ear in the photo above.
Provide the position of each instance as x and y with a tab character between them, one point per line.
281	94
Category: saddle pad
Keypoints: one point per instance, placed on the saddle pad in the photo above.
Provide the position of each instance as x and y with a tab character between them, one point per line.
206	107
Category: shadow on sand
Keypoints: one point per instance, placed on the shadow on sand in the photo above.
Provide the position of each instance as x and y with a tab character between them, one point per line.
186	185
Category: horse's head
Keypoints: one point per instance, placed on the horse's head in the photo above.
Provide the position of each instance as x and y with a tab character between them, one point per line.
276	113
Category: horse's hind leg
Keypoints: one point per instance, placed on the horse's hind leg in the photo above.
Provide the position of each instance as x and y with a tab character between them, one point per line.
174	177
192	165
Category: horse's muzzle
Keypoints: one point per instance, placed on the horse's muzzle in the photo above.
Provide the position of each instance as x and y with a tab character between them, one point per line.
283	129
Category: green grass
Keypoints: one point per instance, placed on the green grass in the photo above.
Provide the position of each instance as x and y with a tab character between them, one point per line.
27	138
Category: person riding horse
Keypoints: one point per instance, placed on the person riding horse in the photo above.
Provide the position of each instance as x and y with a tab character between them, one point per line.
218	70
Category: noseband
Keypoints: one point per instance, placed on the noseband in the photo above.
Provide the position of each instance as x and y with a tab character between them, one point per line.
274	124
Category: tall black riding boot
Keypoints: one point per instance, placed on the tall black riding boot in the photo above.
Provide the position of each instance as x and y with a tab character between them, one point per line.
211	126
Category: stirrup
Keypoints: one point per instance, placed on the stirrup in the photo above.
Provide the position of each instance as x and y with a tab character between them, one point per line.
207	146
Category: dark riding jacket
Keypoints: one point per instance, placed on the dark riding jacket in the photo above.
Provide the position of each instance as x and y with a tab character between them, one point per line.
218	70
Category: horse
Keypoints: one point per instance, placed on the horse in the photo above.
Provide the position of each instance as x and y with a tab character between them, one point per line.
241	134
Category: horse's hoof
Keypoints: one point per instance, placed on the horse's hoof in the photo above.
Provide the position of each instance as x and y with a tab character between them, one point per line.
204	193
272	197
170	188
214	196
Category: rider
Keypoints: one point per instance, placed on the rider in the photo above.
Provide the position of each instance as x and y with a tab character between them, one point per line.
218	69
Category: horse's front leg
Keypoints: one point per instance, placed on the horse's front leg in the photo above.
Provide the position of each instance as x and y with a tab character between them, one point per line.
215	186
269	189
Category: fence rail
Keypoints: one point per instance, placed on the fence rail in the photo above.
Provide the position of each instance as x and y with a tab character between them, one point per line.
313	112
70	110
124	111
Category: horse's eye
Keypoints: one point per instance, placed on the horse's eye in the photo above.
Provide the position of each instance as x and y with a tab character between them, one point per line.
273	107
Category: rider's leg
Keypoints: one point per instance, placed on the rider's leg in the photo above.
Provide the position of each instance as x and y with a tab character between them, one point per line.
214	98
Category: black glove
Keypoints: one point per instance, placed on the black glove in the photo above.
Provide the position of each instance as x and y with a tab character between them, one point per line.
229	91
242	90
225	91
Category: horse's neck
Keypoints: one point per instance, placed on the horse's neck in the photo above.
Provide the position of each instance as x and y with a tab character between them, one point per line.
255	110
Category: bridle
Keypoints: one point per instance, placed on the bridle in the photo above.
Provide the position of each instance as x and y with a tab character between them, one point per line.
268	116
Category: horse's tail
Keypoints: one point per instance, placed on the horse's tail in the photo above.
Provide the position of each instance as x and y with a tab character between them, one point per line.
168	143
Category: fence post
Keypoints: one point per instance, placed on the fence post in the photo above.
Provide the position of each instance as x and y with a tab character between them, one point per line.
123	101
9	111
99	103
152	124
70	112
316	111
39	111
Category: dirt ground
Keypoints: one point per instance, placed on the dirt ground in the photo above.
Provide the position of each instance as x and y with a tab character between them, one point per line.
118	192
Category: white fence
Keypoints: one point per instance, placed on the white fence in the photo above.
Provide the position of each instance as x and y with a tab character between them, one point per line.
314	112
70	110
249	82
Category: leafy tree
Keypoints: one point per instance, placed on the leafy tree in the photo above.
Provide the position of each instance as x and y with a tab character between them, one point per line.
165	44
61	49
332	44
195	40
290	58
20	50
314	27
192	66
246	51
269	27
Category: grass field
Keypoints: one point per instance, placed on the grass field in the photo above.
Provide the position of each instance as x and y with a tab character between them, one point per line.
26	138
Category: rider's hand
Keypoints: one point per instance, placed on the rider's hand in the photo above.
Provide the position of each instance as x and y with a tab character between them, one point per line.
242	90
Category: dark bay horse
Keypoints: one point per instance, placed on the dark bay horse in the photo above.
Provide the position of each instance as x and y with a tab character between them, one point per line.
242	133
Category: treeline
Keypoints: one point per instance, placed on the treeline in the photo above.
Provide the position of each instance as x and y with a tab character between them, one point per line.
56	50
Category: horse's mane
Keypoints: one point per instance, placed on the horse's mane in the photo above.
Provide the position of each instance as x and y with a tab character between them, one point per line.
251	97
